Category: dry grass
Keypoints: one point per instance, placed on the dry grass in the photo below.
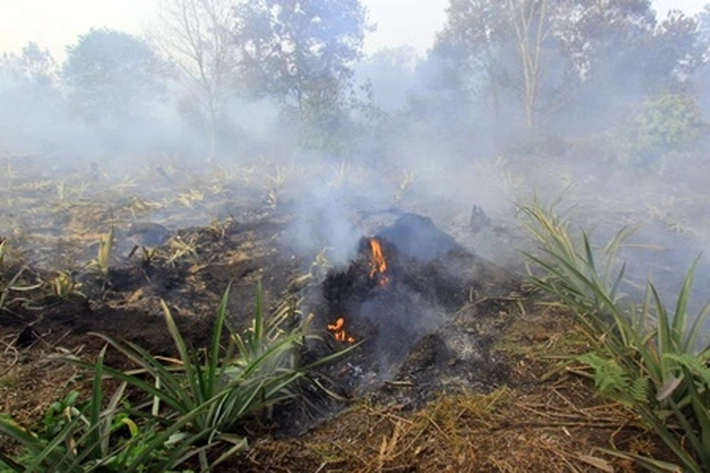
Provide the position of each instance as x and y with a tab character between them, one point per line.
551	429
30	380
550	423
538	423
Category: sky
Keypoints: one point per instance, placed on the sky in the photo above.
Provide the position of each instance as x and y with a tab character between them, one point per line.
53	24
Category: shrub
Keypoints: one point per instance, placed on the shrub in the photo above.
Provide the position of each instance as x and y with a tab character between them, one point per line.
644	355
190	406
670	123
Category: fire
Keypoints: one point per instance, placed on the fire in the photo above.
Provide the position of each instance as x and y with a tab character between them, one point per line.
338	329
378	264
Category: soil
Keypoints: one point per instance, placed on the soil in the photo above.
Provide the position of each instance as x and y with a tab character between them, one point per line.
451	380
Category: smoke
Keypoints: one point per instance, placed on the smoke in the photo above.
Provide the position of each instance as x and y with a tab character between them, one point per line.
324	221
435	134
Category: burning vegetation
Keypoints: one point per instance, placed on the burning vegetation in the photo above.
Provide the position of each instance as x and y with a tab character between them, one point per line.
378	264
170	211
339	333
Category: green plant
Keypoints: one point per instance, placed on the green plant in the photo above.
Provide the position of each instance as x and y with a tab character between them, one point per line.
275	183
671	122
61	190
139	207
63	285
341	172
149	254
84	437
316	273
15	285
220	228
190	198
103	257
217	388
408	178
643	355
180	248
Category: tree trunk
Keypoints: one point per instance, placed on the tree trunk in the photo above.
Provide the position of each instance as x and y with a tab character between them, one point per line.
212	133
523	15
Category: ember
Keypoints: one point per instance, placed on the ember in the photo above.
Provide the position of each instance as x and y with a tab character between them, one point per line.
378	265
406	282
338	329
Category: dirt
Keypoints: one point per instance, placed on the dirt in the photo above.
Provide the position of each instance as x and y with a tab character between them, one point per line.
532	416
452	381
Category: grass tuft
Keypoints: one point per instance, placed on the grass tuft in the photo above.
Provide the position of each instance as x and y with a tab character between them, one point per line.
643	355
192	405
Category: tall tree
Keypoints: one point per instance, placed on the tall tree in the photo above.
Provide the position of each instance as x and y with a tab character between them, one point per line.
679	48
197	36
391	73
30	89
507	45
471	48
110	73
600	36
34	64
567	52
623	56
301	52
532	25
703	19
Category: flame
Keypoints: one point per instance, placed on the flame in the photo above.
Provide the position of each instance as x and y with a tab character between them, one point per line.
378	264
338	329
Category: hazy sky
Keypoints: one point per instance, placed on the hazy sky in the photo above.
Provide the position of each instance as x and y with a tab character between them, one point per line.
53	24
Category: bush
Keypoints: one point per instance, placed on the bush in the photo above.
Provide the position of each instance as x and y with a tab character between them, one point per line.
644	355
190	406
672	123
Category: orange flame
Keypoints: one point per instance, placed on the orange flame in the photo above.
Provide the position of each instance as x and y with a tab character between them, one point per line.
378	265
338	329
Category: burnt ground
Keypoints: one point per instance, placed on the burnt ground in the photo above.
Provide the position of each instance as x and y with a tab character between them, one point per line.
455	371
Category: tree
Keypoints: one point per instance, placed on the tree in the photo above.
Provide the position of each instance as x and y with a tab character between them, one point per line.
34	65
702	76
599	36
301	52
532	26
111	73
679	48
505	45
557	54
471	49
703	19
196	35
390	72
613	39
31	98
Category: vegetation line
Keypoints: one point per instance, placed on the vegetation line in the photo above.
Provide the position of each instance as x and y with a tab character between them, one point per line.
643	355
191	407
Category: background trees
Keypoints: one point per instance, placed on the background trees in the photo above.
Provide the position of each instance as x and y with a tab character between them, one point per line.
561	58
111	74
504	47
302	53
30	95
33	65
197	37
503	69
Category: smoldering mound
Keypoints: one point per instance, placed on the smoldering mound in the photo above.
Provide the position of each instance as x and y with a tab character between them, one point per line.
428	279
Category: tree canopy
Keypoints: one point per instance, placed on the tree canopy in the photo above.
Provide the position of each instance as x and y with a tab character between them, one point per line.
547	52
302	52
196	35
110	73
299	51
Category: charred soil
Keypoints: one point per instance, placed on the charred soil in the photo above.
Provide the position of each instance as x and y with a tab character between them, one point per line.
453	368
